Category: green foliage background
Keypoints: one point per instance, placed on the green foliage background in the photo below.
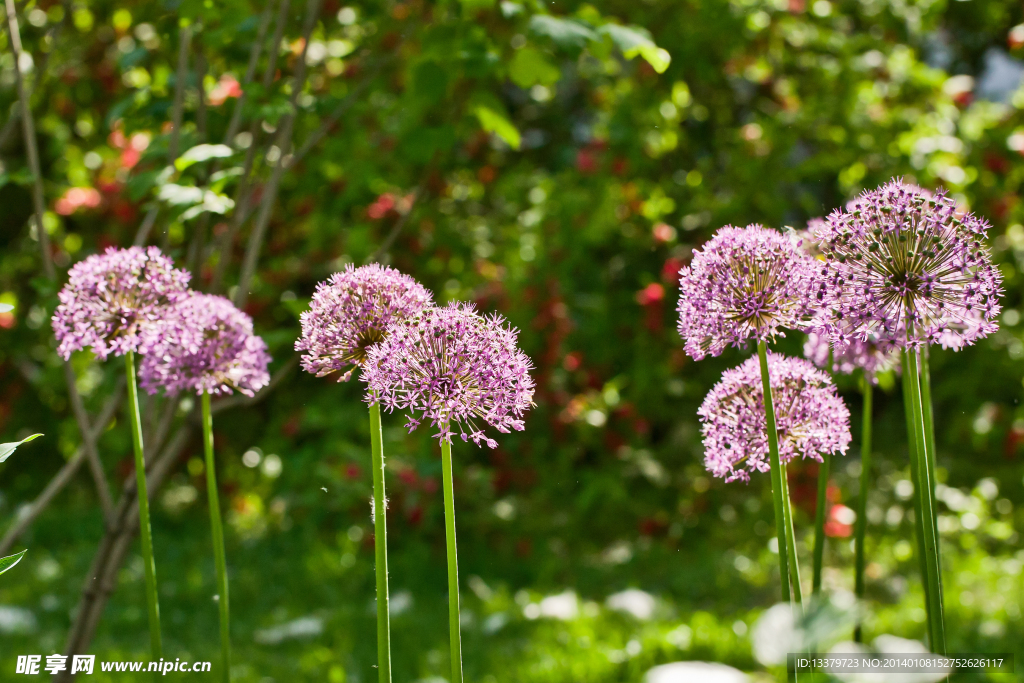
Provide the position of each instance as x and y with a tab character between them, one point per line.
523	156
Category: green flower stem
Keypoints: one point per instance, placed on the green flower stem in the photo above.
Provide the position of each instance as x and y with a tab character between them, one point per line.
778	492
453	560
931	541
862	500
380	542
918	514
929	442
819	521
145	530
794	560
217	529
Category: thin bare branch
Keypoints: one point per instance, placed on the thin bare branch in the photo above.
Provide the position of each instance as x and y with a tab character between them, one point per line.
250	72
284	143
245	189
28	130
89	443
60	480
329	123
181	76
101	580
147	225
397	228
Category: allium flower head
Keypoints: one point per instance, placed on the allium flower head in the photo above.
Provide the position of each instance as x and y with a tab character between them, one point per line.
810	417
450	365
746	283
112	299
865	355
907	268
205	344
350	312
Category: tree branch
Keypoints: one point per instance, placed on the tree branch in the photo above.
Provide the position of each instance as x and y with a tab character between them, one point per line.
89	443
28	130
284	142
60	480
250	73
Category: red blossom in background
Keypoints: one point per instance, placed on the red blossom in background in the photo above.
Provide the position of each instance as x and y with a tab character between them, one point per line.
225	88
77	198
840	522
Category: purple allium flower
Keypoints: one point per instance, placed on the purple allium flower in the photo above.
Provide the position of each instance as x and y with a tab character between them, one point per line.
865	355
112	299
451	365
746	283
810	417
907	268
351	312
205	344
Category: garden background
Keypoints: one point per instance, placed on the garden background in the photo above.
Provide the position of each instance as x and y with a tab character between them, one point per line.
555	162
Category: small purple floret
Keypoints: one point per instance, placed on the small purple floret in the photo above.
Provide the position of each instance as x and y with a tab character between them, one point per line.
452	366
205	344
112	300
858	354
811	417
745	284
350	312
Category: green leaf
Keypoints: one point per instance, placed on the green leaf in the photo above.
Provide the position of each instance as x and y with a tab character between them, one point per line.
633	41
565	32
212	202
11	560
530	67
7	448
495	122
430	81
201	153
180	194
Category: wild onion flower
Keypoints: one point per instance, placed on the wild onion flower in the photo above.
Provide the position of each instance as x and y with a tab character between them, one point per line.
112	300
858	354
746	283
907	269
351	312
811	419
205	344
451	365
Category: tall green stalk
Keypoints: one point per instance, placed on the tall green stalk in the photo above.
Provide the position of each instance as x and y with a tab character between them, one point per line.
819	521
822	503
145	530
931	541
778	490
862	500
217	529
455	632
929	442
380	542
919	517
794	560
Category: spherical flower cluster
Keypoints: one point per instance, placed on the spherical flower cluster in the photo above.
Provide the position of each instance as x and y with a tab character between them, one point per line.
450	365
350	313
745	284
810	417
858	354
205	344
906	269
112	300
